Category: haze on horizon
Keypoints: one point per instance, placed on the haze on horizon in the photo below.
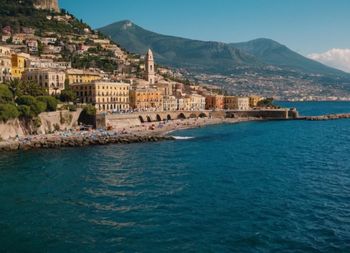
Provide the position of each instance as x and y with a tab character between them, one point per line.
314	28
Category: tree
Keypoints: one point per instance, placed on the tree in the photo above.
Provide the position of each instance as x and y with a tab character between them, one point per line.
5	94
26	100
25	111
36	107
68	95
267	102
88	114
7	112
32	89
51	102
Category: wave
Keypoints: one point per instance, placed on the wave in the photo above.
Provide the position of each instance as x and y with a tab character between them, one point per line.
182	137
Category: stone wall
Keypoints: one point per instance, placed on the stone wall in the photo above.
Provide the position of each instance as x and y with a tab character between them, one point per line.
120	121
264	114
59	120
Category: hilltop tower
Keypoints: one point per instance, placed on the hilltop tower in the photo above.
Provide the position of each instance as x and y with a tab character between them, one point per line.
51	5
149	67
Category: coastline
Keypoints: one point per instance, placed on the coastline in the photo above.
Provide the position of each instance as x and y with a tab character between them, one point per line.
147	132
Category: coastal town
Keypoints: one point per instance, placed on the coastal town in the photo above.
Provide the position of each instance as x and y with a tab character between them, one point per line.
135	84
78	79
122	90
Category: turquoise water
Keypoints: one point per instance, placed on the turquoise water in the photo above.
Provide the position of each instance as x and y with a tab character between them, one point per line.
281	186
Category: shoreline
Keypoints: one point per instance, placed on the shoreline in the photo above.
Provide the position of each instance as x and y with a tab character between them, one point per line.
147	132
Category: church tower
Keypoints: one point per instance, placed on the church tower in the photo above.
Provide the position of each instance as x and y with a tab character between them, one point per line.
149	65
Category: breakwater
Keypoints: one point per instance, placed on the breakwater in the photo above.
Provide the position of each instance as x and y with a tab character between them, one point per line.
326	117
79	140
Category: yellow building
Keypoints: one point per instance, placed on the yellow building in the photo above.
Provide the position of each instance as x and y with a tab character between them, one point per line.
81	76
18	64
146	99
254	100
105	96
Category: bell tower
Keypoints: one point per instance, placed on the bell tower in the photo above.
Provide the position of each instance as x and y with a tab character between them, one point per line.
149	65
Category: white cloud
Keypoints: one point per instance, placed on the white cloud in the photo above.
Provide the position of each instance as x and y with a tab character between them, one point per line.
336	58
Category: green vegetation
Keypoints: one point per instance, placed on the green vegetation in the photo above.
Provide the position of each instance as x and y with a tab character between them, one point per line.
68	95
21	13
21	88
25	100
88	114
31	107
86	61
8	111
267	102
5	94
50	102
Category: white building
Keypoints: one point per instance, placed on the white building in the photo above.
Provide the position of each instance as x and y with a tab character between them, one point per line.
50	79
5	64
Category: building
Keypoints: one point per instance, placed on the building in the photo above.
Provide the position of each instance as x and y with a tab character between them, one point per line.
146	99
149	67
81	76
5	64
254	100
214	102
50	79
170	103
105	96
40	63
195	102
237	103
165	88
18	64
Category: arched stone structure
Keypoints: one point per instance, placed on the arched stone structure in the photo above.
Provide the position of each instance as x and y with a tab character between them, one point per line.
181	116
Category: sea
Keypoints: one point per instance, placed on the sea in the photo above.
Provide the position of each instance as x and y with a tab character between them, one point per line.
269	186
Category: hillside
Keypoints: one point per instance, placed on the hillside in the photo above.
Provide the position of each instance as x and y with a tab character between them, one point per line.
19	13
213	56
271	52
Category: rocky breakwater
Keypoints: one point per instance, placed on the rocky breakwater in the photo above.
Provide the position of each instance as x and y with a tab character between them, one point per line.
327	117
78	140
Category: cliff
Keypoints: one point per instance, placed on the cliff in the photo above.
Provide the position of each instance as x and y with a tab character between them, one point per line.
47	5
49	122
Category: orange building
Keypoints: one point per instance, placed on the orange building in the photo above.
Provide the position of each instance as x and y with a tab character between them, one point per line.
214	102
146	99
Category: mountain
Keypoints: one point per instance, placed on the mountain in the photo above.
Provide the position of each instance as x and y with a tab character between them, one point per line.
271	52
175	51
213	56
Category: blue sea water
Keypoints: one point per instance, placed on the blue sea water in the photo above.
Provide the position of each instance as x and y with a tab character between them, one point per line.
279	186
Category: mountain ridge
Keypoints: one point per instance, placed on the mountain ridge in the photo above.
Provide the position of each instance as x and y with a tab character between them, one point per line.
212	55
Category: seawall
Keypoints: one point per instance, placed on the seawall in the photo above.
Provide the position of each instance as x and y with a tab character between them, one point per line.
54	141
120	121
326	117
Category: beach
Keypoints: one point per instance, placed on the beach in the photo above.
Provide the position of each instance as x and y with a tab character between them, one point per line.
145	132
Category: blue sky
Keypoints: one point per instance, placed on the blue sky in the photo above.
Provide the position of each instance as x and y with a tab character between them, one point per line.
306	26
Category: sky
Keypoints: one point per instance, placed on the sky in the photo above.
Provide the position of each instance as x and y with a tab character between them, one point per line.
314	28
